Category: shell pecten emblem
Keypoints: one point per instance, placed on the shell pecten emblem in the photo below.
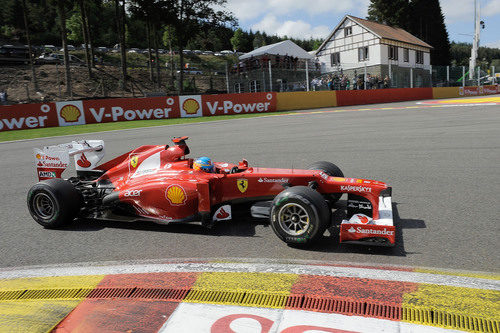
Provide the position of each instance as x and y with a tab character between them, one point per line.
176	195
191	106
70	113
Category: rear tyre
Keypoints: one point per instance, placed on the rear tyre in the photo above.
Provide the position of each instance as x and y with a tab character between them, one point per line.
299	215
331	170
54	202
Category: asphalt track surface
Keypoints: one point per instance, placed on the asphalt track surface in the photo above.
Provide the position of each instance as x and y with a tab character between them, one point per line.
443	164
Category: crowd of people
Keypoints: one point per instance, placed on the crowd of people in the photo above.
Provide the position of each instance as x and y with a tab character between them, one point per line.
357	82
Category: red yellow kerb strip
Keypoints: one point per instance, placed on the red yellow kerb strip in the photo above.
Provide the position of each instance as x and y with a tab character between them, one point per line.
405	291
43	314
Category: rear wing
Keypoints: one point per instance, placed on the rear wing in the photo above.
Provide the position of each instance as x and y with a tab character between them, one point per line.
51	161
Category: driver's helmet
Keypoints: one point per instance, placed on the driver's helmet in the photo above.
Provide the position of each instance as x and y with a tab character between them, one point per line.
204	164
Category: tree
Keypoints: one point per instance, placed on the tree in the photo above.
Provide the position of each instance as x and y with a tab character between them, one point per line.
120	30
390	12
422	18
258	40
169	40
32	65
427	23
61	10
238	40
187	18
85	32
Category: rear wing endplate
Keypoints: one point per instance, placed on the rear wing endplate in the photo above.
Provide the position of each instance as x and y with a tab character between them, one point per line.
51	161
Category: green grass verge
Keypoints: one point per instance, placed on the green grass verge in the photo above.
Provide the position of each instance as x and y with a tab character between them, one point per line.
69	130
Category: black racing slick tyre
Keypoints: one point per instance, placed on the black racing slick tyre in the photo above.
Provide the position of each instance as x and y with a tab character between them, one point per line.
299	215
331	170
54	203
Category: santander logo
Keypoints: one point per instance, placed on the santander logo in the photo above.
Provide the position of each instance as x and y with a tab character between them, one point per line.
83	162
222	214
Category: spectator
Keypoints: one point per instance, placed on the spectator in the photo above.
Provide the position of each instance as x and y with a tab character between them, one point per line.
373	82
3	97
380	83
387	82
360	82
368	81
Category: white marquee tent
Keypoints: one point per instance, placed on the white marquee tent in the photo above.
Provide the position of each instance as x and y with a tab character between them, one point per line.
286	47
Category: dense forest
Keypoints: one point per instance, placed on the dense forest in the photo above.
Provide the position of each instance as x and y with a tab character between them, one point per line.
194	25
42	18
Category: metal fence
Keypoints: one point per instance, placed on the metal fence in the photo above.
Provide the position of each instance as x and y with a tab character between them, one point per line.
375	77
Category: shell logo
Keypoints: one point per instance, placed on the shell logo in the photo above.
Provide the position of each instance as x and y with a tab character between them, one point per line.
191	106
176	195
70	113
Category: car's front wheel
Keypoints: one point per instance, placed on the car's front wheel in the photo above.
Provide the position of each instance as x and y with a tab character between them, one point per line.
299	215
331	170
53	202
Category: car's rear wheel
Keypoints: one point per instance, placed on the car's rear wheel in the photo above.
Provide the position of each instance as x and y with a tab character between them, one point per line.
299	215
331	170
54	202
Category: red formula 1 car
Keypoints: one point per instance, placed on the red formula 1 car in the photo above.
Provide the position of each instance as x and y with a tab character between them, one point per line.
158	183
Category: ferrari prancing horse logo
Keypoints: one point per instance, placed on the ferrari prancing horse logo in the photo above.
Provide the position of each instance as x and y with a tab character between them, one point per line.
242	184
133	161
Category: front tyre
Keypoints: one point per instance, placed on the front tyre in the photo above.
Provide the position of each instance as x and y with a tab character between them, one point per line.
299	215
331	170
54	202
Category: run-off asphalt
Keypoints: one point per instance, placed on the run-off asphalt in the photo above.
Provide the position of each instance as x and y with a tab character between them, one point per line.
442	162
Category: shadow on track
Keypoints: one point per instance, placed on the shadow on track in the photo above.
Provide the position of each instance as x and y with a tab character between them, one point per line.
243	225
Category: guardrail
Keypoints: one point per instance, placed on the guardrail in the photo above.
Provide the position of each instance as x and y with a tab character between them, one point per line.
69	113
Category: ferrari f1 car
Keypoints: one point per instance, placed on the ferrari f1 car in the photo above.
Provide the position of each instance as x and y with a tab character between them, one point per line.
159	183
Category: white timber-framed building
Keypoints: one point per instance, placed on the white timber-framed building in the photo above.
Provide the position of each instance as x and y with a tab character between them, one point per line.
357	46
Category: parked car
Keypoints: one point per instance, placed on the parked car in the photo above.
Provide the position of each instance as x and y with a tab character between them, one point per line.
55	58
14	54
192	70
70	48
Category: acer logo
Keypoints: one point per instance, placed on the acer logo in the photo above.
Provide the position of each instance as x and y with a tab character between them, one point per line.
132	193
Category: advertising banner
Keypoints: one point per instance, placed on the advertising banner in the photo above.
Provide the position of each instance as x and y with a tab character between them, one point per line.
69	113
28	116
217	105
129	109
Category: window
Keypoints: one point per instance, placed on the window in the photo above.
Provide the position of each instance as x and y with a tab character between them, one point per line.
347	31
363	53
406	55
335	59
238	88
420	57
254	86
393	52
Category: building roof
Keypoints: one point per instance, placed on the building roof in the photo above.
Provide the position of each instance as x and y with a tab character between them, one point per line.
388	32
382	31
286	47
